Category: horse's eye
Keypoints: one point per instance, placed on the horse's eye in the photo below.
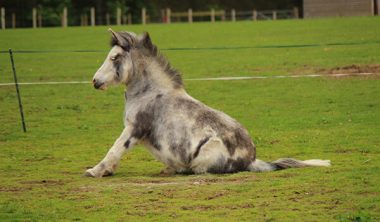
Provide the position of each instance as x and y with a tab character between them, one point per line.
113	58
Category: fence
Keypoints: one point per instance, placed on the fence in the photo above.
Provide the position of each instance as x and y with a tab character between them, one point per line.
165	16
225	78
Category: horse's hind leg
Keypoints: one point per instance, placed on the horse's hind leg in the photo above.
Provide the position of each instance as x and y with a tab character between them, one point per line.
211	157
107	166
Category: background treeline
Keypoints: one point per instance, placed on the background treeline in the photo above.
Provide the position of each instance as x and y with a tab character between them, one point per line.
51	10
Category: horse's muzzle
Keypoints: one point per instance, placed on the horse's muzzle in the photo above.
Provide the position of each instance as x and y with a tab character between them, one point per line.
97	84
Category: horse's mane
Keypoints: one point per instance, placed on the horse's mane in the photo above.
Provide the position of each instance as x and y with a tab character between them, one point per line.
174	75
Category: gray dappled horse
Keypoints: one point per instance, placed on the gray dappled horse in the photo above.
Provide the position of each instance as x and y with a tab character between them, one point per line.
180	131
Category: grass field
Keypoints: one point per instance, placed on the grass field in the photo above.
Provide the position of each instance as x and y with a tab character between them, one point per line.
71	127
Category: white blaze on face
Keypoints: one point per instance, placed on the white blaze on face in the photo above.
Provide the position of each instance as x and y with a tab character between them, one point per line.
108	73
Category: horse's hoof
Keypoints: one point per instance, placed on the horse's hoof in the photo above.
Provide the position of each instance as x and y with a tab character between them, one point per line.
89	173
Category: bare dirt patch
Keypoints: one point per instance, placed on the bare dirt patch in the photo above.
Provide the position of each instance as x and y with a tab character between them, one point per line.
217	194
45	182
191	181
207	181
14	189
216	207
352	69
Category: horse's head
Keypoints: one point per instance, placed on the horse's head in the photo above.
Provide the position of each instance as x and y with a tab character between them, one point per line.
119	64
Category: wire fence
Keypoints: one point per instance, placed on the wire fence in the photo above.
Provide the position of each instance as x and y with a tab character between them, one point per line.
35	73
42	82
208	48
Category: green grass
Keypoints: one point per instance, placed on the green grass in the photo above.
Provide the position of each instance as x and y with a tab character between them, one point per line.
71	127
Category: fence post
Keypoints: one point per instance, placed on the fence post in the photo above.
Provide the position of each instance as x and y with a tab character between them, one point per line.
13	20
295	12
190	15
18	91
81	20
254	15
162	12
34	17
223	15
378	6
118	16
39	18
92	16
233	15
64	17
85	19
124	19
129	19
274	15
168	16
108	19
2	18
212	15
143	16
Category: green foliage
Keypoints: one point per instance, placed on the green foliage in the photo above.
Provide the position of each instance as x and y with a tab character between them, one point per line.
71	127
51	11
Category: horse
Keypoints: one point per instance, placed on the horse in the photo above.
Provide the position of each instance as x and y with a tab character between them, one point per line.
180	131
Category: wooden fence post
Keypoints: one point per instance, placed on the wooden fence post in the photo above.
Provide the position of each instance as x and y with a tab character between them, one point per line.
274	15
295	13
233	15
34	17
118	16
92	16
13	20
124	19
378	7
85	19
143	16
64	17
39	18
129	19
2	18
254	15
212	15
190	15
108	19
162	11
168	15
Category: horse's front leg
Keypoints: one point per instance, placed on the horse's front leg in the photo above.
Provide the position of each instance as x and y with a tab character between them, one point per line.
107	166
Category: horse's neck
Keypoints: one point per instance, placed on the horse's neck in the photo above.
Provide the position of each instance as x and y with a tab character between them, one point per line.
151	79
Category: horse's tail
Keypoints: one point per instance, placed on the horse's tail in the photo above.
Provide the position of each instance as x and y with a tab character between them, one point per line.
284	163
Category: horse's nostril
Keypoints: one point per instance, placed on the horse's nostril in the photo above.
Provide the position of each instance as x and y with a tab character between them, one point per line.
93	81
97	84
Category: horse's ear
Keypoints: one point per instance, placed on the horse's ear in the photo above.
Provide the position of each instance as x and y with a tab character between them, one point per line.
117	39
146	41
